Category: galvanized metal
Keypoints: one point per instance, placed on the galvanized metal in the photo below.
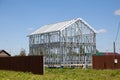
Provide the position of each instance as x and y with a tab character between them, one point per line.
64	43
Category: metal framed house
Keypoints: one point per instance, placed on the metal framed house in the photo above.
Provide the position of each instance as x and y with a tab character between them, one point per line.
64	43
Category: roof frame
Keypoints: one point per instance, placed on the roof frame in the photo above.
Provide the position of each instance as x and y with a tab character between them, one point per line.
60	26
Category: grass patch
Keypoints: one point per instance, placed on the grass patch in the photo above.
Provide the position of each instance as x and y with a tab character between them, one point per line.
63	74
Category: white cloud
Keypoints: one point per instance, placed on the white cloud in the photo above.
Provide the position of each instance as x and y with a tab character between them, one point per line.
30	29
117	12
101	31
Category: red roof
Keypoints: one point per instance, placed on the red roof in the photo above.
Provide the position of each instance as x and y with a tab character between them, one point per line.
111	53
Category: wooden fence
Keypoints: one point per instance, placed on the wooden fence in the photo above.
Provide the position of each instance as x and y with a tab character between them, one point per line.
32	64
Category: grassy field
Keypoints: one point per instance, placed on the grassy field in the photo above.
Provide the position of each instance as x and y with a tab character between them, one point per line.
63	74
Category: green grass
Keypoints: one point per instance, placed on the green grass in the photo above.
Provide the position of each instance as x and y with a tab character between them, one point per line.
63	74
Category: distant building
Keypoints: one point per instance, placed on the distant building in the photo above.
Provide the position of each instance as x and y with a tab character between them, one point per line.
3	53
106	53
111	53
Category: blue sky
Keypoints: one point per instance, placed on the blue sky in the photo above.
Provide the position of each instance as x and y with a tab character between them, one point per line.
18	18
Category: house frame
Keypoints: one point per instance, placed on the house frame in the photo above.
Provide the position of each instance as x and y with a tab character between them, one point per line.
64	43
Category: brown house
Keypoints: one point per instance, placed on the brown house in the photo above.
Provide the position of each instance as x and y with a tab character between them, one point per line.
3	53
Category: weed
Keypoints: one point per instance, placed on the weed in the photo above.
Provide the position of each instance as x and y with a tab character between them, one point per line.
62	74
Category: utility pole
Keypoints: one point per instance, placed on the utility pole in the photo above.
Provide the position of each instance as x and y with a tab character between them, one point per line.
114	52
114	48
115	59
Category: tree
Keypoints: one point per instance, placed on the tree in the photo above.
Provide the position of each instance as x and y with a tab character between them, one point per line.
82	51
41	51
96	51
22	52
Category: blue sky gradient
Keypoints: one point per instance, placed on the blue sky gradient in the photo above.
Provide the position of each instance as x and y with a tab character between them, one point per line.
18	18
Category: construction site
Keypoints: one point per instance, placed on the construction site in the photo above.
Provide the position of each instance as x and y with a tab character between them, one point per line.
67	43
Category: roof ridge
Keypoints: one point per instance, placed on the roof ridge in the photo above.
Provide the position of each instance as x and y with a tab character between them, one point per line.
60	26
61	21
